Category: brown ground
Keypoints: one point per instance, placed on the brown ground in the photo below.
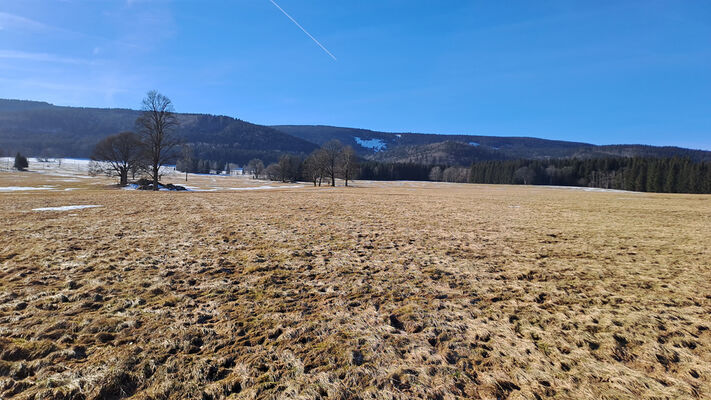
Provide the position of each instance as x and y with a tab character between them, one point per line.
440	291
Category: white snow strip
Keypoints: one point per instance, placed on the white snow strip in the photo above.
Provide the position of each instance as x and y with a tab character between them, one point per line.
588	189
265	187
197	189
373	144
64	208
23	188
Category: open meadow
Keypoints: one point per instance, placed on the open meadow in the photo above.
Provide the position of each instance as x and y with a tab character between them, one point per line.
390	290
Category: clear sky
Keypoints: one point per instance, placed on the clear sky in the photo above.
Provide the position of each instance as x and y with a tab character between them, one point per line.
594	71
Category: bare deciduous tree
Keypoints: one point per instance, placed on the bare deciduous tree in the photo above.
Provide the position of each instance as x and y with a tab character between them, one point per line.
435	174
118	154
255	167
273	172
332	155
455	174
314	166
524	175
348	164
289	166
187	157
157	126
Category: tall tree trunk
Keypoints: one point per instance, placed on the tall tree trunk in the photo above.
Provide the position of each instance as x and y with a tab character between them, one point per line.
332	172
123	177
155	177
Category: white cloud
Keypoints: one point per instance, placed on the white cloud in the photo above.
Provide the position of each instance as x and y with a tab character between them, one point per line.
42	57
11	21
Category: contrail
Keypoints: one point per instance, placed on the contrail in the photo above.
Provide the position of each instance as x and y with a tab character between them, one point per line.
305	31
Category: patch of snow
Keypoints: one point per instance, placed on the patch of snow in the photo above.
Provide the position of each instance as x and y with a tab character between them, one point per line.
24	188
67	167
588	189
594	189
398	135
373	144
65	208
65	175
197	189
265	187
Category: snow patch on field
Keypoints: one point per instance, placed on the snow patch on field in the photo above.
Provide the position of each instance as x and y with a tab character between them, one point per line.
23	188
65	208
197	189
66	167
265	187
373	144
588	189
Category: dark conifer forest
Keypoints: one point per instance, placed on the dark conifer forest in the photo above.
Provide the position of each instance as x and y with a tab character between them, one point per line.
664	175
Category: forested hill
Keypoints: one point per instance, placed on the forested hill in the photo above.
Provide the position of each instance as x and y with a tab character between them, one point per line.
43	129
465	149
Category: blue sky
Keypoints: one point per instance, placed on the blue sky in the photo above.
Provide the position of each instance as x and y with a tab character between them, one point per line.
593	71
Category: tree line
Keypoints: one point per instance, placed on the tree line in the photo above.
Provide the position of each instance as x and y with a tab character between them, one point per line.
323	166
642	174
665	175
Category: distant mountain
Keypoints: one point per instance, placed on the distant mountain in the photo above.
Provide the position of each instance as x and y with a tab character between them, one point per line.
42	129
464	149
38	128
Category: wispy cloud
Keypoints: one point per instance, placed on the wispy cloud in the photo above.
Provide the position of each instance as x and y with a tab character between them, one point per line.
12	21
41	57
305	31
75	91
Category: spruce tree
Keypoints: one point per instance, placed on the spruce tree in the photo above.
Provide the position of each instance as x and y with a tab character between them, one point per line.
21	163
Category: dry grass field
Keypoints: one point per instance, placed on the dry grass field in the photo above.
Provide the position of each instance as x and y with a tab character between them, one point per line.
382	291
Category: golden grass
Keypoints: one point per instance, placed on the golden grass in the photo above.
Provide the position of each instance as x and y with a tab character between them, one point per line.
435	291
